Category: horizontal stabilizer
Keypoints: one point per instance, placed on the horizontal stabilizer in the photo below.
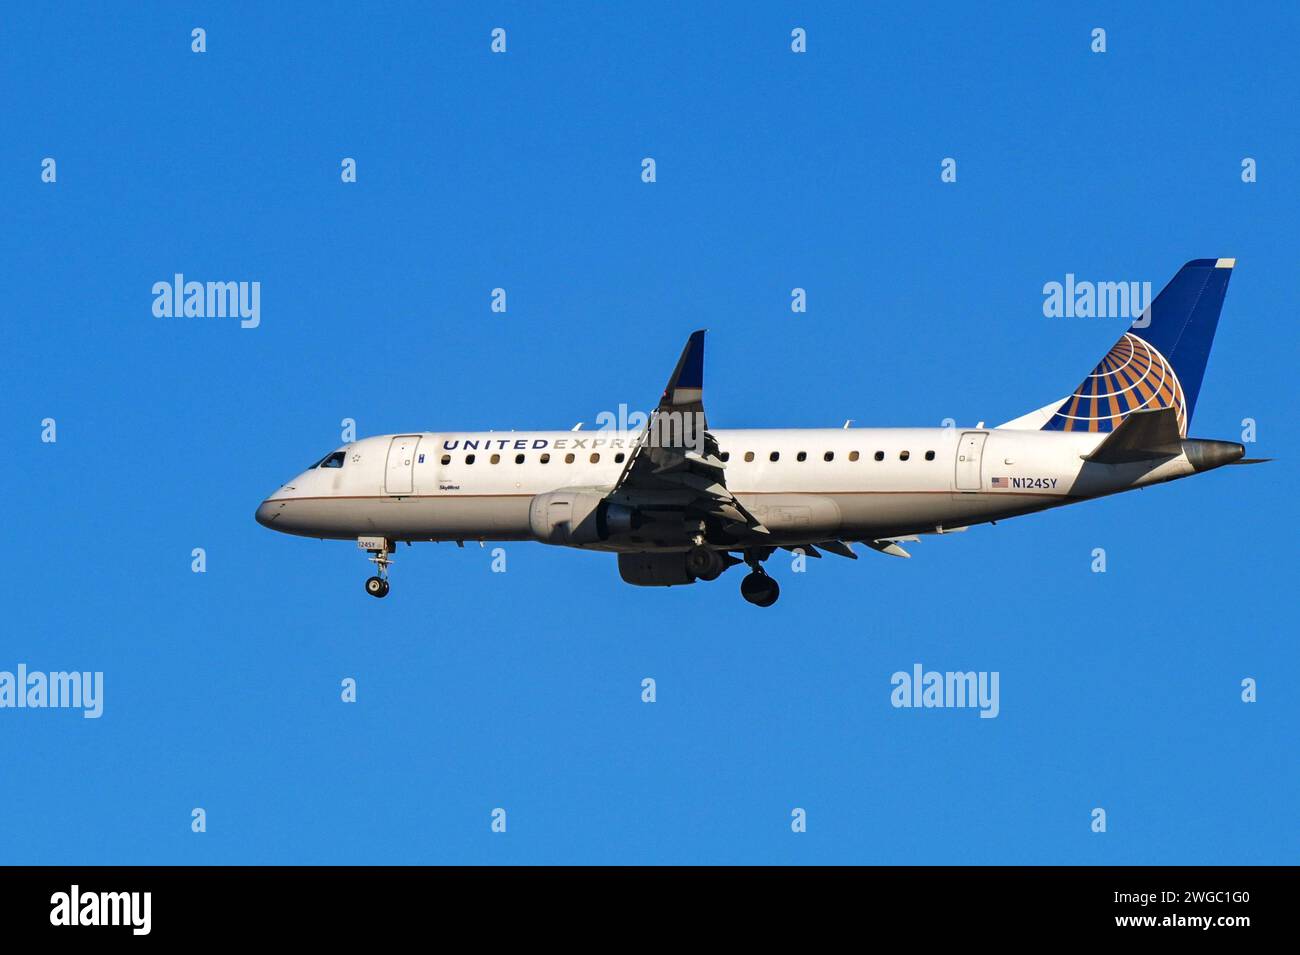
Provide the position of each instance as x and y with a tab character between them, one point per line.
1139	437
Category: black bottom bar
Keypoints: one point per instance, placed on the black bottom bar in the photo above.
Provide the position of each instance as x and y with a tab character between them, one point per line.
337	904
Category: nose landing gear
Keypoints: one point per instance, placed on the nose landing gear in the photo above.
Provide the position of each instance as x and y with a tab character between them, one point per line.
379	548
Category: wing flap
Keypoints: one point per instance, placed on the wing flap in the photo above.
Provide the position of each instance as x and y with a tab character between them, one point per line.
887	547
839	548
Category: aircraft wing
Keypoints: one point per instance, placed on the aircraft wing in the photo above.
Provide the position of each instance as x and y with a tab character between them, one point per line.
676	460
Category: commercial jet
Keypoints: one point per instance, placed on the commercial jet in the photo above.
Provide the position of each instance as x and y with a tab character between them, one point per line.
678	501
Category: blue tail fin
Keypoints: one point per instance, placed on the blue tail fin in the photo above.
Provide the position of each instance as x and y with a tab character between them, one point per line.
1160	361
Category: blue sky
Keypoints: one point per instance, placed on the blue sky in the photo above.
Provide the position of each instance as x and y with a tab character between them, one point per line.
522	690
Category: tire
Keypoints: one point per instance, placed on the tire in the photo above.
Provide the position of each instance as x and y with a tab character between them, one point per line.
376	586
760	589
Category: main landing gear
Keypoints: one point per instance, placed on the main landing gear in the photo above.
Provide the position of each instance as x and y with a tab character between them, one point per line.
757	587
379	549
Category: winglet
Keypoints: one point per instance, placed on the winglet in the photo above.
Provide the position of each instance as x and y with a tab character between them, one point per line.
686	386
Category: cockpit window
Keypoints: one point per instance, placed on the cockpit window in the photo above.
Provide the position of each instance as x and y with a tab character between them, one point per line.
334	460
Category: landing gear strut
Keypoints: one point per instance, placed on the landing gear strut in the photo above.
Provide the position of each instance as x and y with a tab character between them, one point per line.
757	587
379	549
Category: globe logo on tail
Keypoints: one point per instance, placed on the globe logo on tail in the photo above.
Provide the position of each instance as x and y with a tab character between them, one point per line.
1133	376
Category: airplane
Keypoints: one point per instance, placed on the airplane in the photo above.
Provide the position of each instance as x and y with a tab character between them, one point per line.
679	502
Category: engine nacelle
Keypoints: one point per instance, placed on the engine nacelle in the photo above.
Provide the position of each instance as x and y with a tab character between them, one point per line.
578	516
655	570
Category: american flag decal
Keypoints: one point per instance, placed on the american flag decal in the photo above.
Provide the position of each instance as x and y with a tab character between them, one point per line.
1000	482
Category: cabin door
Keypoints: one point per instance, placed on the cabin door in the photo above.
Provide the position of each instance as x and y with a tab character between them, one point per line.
970	453
399	478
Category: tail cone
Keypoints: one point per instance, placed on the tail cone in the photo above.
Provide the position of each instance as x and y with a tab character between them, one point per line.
1207	455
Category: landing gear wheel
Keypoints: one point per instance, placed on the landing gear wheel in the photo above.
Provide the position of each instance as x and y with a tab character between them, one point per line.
380	549
760	589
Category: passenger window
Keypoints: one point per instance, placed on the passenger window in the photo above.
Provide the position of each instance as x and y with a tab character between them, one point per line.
545	459
618	458
568	459
749	456
880	455
446	459
929	455
904	455
495	459
774	456
853	455
469	459
828	456
595	458
334	460
801	456
519	459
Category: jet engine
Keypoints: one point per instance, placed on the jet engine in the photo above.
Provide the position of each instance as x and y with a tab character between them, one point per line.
659	569
578	516
655	570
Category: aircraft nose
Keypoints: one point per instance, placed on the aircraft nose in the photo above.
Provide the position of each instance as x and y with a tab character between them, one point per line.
267	512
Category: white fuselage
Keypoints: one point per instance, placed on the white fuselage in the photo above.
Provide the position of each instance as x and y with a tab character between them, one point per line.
804	485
